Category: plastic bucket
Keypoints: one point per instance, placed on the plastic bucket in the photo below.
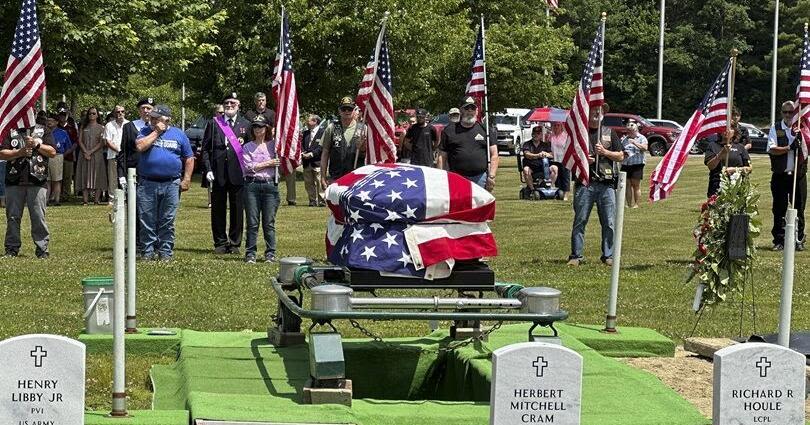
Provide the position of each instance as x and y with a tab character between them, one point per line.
98	305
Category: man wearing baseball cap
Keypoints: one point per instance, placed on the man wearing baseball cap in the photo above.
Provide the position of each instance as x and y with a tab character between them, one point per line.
463	148
222	165
454	115
343	144
165	154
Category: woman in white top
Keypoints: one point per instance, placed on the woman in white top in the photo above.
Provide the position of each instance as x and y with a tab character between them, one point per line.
635	144
558	137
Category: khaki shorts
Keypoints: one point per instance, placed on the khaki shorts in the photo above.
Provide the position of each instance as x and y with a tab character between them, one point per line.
55	168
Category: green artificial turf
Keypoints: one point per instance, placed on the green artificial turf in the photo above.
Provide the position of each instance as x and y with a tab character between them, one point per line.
139	417
136	343
237	376
203	291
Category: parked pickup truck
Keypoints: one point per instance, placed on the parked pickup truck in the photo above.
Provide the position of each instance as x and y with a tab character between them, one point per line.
509	129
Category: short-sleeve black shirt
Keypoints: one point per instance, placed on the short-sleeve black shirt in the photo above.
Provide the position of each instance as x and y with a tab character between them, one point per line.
466	148
535	164
737	157
268	113
422	140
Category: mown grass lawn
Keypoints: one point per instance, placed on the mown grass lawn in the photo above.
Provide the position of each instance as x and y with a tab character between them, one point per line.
206	292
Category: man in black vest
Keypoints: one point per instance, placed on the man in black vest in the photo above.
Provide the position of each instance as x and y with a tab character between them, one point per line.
343	144
783	145
311	160
221	165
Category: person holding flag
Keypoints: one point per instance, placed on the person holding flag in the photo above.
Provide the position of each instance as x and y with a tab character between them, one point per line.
342	144
593	153
463	148
783	145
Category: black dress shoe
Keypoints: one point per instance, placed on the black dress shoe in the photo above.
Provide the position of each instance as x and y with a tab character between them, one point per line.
234	250
291	203
221	250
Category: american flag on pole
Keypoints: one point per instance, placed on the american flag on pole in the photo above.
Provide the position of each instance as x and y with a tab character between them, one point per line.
589	94
553	4
24	79
709	118
377	104
803	94
288	139
476	86
408	220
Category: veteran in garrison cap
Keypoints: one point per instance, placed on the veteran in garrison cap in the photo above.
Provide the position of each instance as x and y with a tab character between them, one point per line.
343	144
222	166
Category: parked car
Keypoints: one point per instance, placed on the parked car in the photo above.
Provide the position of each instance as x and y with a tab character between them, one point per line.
759	141
659	139
440	122
666	123
509	129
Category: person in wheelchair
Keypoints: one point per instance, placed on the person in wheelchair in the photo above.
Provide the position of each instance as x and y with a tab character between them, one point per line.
536	155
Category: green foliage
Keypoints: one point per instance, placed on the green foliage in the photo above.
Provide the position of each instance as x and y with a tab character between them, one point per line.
721	275
223	45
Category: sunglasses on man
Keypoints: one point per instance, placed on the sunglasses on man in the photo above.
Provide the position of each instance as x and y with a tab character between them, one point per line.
470	108
346	109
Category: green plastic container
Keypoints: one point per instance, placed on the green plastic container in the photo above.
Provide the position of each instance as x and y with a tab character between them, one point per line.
98	305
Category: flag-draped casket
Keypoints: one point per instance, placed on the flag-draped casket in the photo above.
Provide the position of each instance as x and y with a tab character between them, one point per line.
408	220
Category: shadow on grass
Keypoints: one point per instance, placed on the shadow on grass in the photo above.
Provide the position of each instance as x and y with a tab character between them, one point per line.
679	262
195	250
639	267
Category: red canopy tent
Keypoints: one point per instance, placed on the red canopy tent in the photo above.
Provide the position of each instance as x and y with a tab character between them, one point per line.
547	114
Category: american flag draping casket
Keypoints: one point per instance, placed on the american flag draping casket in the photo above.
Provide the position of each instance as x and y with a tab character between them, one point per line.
408	220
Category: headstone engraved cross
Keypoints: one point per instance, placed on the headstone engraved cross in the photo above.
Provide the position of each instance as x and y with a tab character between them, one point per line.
42	380
758	383
534	383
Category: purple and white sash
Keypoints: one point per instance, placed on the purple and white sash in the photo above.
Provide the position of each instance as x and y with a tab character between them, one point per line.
232	139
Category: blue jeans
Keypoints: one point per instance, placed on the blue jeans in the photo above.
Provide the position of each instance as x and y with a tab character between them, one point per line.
261	202
480	180
604	196
157	209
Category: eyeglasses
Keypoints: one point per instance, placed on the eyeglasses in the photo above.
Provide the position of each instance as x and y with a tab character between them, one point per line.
345	109
470	108
119	112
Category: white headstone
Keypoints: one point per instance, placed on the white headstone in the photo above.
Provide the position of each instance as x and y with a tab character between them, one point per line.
42	380
758	383
535	382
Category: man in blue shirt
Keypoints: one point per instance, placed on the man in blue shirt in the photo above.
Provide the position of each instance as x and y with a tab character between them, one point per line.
62	142
163	149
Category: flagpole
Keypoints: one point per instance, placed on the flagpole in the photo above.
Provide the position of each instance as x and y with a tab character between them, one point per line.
486	93
661	58
732	77
796	157
773	66
280	68
601	113
376	64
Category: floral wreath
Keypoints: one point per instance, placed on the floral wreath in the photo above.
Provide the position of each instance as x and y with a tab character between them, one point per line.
718	274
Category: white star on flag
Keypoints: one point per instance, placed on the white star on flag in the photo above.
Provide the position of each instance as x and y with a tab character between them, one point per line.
392	216
364	195
409	212
409	183
357	234
368	252
405	259
355	215
394	195
390	239
377	184
393	174
376	227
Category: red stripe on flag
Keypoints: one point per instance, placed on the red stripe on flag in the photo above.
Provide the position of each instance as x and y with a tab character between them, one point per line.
463	248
